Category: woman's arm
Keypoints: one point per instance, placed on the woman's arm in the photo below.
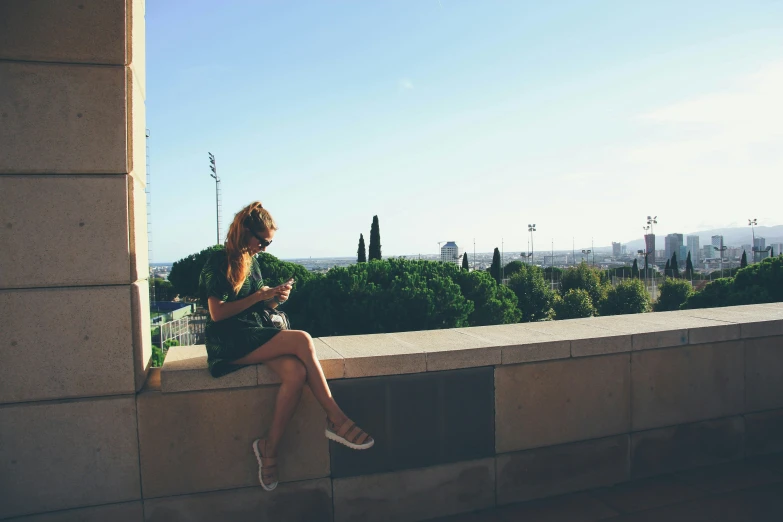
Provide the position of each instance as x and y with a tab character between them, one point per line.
219	310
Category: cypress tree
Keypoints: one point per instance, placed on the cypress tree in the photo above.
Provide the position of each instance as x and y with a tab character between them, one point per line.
362	252
635	270
494	270
465	261
675	266
375	239
744	260
688	267
667	268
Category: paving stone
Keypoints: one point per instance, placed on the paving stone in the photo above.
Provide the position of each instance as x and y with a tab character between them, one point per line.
306	501
686	446
639	495
519	344
451	350
587	338
124	512
764	432
577	507
416	494
193	442
688	384
377	354
554	402
561	469
763	373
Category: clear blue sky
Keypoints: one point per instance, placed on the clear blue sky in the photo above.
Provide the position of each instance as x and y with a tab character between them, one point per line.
460	120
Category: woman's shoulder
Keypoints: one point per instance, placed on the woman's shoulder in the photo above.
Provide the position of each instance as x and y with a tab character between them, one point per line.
216	261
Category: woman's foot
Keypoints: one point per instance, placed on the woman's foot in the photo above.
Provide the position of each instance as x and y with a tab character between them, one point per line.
349	434
267	466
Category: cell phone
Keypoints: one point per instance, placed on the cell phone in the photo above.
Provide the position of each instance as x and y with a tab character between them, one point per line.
290	282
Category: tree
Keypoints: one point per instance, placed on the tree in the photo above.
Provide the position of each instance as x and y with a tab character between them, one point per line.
574	304
534	297
673	293
757	283
465	261
493	303
164	290
628	297
185	272
494	269
512	268
744	260
586	278
688	267
635	270
667	268
675	267
375	239
362	252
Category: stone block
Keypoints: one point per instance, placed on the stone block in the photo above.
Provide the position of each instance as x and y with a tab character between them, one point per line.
124	512
62	119
65	231
140	330
74	31
555	470
731	476
185	369
137	231
763	373
764	432
686	446
554	402
306	501
451	350
519	344
332	363
688	384
646	334
587	338
137	130
649	493
754	320
61	455
576	507
137	47
201	441
65	342
377	354
416	494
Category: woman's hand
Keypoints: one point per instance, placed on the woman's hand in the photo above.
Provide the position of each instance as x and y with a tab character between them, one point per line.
283	293
266	293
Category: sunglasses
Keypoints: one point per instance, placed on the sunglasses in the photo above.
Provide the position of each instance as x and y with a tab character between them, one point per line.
263	242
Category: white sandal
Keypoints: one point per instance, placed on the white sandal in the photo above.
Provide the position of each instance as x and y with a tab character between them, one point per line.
349	434
270	467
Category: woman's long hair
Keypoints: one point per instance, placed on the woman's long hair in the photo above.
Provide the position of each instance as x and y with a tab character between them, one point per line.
253	217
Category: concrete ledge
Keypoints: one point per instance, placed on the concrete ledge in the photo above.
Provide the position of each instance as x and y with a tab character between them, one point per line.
587	337
518	344
450	350
379	354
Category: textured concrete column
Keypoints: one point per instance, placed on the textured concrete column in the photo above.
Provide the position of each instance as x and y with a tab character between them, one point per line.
73	264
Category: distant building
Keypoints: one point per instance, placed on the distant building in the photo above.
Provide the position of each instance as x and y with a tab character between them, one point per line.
682	255
748	248
693	247
776	248
717	242
707	252
672	243
449	253
617	249
649	245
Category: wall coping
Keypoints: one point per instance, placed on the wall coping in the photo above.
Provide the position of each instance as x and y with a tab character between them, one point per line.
345	357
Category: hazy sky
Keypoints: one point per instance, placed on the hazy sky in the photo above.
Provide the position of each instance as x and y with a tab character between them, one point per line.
459	120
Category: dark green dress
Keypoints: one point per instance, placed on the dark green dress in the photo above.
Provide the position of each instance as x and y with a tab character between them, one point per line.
236	336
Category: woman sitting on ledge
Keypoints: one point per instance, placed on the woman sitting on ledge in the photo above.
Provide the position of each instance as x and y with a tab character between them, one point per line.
231	284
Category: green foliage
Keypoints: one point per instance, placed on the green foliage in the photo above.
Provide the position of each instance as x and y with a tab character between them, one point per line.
673	293
185	272
667	269
361	253
276	272
688	267
375	240
553	273
585	278
628	297
493	303
494	269
164	290
635	269
157	357
512	268
465	261
675	267
574	304
534	297
744	260
757	283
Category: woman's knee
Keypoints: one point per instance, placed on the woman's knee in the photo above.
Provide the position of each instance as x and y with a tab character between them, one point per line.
304	343
292	371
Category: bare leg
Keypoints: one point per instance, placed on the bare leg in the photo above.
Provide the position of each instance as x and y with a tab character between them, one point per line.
300	345
293	375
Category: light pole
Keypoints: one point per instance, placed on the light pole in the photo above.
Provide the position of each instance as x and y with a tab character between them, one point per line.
531	229
214	175
586	252
722	249
651	221
752	224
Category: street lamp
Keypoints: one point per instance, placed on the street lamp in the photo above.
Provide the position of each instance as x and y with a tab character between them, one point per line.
214	175
722	249
526	255
531	229
752	224
586	253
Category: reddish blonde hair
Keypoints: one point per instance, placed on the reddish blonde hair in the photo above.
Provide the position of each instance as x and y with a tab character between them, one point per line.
253	217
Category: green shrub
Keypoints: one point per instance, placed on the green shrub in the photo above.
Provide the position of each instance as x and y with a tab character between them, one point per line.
628	297
584	277
757	283
672	294
574	304
533	295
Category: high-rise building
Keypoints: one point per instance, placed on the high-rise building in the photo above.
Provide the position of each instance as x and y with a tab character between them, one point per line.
682	255
759	244
707	252
693	248
672	244
777	248
617	250
717	242
449	253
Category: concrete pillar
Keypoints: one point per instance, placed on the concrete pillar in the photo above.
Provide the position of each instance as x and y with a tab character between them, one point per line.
74	306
